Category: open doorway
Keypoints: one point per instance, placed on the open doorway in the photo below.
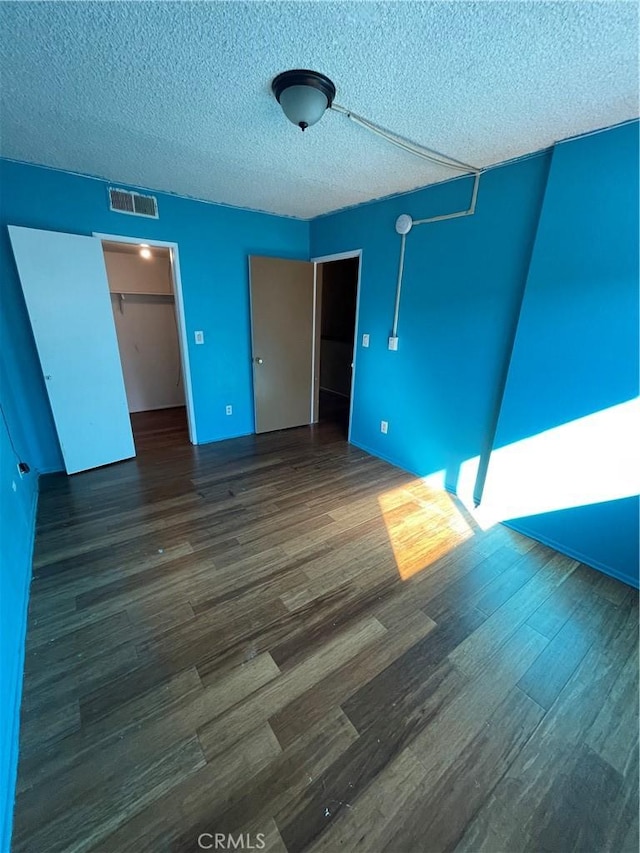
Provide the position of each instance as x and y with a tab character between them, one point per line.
337	305
143	301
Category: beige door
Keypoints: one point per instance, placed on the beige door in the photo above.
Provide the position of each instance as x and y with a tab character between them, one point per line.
282	341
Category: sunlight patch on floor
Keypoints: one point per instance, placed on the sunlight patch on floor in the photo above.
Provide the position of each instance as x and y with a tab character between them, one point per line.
423	524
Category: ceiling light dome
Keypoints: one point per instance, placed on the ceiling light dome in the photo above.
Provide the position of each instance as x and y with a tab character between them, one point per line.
303	95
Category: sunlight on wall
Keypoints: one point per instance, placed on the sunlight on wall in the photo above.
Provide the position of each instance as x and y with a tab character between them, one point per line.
423	524
590	460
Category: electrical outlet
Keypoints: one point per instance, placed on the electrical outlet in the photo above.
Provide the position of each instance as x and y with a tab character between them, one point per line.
228	410
365	340
384	427
393	344
199	336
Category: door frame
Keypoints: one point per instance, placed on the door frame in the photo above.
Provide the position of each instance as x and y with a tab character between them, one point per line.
183	340
323	259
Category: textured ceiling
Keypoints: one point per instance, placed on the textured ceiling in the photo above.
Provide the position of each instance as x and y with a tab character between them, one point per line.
175	96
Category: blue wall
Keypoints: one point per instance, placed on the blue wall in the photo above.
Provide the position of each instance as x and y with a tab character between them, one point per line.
17	518
214	242
463	284
576	348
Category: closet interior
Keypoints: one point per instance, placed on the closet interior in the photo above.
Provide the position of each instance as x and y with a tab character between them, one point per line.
142	293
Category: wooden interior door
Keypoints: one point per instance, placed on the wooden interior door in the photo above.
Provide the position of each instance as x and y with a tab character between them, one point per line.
282	308
65	287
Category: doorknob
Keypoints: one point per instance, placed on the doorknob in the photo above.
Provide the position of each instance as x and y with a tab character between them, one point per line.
258	361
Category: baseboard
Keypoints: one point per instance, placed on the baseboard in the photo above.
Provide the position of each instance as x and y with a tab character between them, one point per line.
16	699
382	456
575	555
224	438
48	470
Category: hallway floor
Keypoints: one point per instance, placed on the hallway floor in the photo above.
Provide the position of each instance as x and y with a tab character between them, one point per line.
160	428
334	408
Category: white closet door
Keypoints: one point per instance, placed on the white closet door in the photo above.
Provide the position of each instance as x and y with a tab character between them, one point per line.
65	287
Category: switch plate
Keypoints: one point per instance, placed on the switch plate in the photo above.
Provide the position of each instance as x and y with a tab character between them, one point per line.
393	344
199	336
384	427
228	410
365	340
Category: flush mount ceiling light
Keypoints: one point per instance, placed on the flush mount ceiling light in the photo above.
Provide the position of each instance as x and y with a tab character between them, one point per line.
303	95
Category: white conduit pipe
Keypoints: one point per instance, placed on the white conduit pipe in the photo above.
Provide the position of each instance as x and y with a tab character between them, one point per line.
396	313
411	147
469	212
432	156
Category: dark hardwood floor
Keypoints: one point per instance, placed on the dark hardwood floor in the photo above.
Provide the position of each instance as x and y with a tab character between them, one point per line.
334	408
160	429
282	635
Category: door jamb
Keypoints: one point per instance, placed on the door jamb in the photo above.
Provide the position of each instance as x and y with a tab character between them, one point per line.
341	256
179	309
314	355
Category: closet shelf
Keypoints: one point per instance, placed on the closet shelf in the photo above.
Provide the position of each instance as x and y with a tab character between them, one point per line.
141	293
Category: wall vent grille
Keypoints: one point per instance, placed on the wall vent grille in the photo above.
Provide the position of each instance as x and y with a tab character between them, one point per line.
135	204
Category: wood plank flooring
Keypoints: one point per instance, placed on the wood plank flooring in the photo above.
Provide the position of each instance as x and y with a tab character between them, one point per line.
282	635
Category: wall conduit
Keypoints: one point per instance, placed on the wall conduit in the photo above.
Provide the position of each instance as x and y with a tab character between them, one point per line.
404	223
407	221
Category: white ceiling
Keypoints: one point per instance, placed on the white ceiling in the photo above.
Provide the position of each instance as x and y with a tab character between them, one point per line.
175	96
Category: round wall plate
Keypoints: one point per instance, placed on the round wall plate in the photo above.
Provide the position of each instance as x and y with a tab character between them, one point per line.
404	223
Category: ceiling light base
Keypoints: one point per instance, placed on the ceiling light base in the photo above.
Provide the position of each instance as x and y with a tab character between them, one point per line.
303	95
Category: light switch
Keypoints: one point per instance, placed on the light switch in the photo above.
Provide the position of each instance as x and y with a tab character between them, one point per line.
199	336
393	344
365	340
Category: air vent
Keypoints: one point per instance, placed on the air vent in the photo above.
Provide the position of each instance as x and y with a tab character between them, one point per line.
135	204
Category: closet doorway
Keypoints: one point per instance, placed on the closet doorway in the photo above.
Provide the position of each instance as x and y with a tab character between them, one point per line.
146	306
